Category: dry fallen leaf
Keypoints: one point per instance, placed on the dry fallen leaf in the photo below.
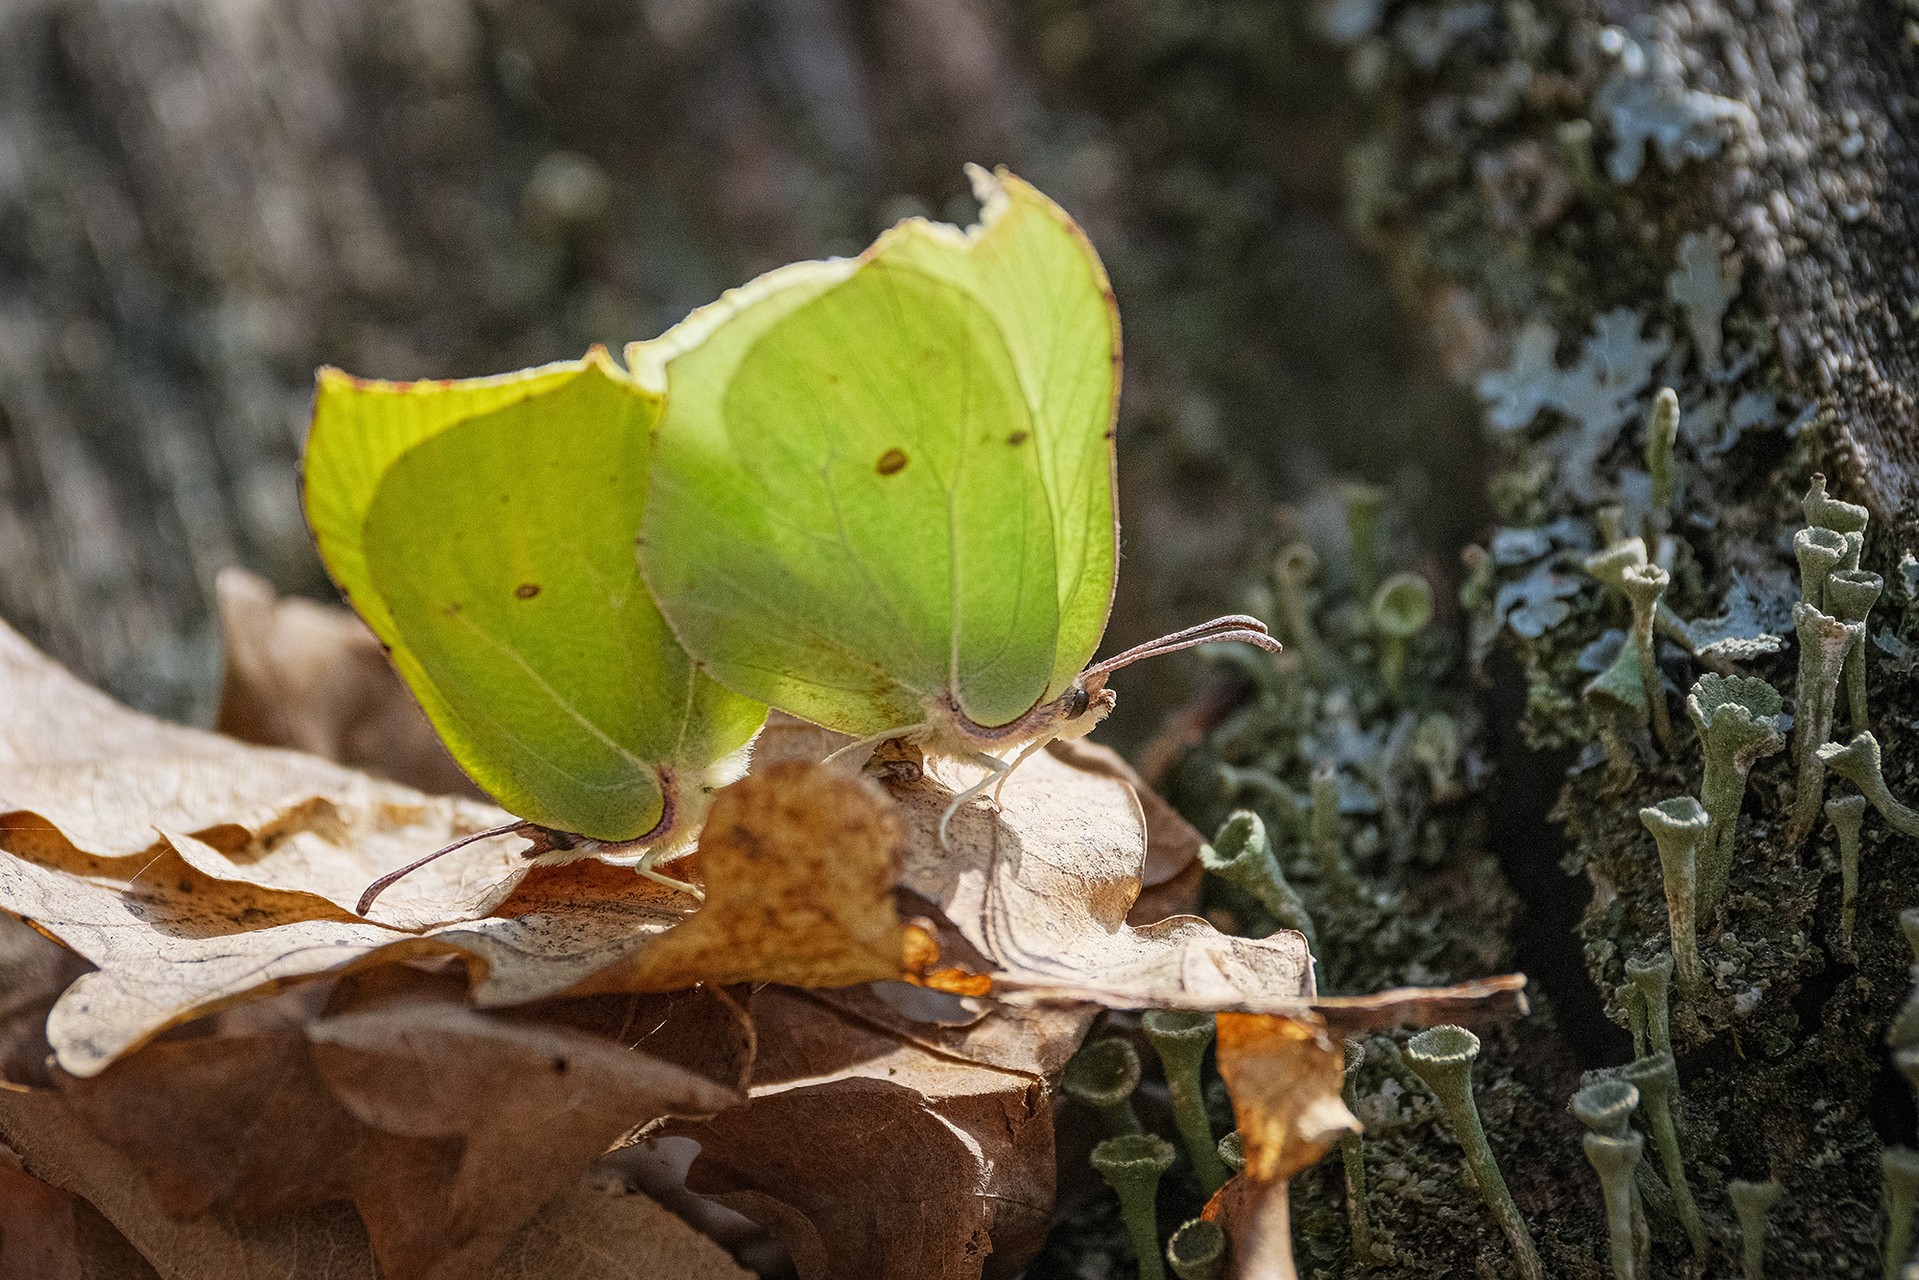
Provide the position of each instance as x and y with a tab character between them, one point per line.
88	787
256	895
582	1235
34	970
871	1153
50	1234
447	1128
311	677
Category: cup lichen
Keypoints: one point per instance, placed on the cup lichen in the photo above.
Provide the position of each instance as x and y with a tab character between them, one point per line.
1615	1159
1606	1108
1860	763
1850	595
1293	573
1180	1038
1443	1057
1739	724
1242	855
1819	552
1103	1075
1847	815
1197	1251
1679	827
1653	978
1657	1080
1823	643
1132	1166
1401	609
1752	1202
1827	512
1645	585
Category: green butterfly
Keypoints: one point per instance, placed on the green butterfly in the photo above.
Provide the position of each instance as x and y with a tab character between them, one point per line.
485	530
882	488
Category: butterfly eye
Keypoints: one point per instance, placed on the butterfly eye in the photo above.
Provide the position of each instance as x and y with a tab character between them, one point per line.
1076	702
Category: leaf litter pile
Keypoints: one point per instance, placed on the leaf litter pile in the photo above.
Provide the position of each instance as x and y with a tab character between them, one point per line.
842	1063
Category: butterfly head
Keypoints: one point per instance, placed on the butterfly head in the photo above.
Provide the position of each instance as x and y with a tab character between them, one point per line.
1083	705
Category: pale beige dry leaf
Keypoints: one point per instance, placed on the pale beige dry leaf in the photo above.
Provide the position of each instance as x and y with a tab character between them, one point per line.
82	776
187	923
1042	889
581	1235
311	677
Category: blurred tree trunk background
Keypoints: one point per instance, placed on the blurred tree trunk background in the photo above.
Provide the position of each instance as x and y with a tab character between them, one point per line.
202	200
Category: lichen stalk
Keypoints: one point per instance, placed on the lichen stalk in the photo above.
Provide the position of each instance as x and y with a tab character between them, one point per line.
1180	1039
1678	828
1352	1154
1293	574
1751	1203
1401	609
1662	434
1850	595
1859	762
1657	1080
1847	815
1606	1108
1615	1159
1242	855
1899	1168
1328	850
1823	642
1644	585
1443	1058
1738	719
1132	1166
1654	979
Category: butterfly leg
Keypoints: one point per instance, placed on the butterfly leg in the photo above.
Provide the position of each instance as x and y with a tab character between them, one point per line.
865	746
996	770
646	868
999	784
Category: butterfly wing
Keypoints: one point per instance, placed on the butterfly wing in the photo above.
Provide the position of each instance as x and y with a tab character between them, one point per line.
496	551
881	480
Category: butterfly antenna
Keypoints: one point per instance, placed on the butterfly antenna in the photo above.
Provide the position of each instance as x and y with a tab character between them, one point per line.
379	886
1234	626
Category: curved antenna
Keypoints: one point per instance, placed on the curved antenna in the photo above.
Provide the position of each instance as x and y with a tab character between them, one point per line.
381	885
1234	626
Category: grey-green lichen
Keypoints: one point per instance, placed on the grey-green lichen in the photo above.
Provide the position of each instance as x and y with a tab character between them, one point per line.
1753	1203
1443	1057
